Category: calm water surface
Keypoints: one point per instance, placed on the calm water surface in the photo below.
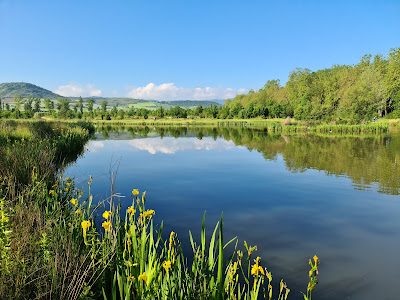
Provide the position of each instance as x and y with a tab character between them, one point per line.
292	196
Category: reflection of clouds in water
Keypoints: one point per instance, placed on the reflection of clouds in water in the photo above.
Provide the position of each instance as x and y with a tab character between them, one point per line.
95	146
172	145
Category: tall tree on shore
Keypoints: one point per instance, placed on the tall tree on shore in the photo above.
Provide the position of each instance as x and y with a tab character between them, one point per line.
392	78
48	104
63	107
36	105
103	106
80	105
89	103
17	102
28	104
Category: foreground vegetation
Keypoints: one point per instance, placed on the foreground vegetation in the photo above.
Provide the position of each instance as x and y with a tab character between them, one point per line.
55	244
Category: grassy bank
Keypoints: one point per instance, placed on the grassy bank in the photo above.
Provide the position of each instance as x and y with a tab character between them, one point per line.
51	247
273	125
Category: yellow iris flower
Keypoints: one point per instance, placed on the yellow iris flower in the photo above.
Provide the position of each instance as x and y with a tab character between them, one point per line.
106	225
167	265
107	214
143	277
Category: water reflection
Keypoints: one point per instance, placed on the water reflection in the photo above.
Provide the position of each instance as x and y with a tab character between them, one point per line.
274	192
368	160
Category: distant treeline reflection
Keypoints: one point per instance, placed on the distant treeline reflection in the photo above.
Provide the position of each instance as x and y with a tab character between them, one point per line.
366	159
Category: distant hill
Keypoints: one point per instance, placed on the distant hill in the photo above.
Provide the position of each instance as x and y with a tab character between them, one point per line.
8	90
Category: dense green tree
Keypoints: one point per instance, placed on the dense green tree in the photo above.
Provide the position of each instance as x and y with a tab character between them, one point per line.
121	114
392	79
80	105
90	103
103	106
17	102
36	104
160	112
114	111
48	104
28	104
63	107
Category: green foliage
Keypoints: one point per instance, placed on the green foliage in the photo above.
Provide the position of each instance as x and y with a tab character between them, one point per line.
350	94
9	90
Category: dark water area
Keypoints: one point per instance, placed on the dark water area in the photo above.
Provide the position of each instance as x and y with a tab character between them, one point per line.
291	195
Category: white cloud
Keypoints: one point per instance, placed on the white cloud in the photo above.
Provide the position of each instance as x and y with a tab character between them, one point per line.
168	91
95	146
75	89
170	145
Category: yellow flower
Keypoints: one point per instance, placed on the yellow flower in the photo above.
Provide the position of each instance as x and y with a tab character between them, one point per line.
78	211
106	225
107	214
51	192
166	265
86	225
68	184
135	192
74	201
315	259
148	213
143	277
131	210
256	268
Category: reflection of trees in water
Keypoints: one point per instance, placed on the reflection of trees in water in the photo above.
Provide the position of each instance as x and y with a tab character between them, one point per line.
364	159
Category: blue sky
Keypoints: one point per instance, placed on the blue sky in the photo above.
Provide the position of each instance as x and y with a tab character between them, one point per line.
184	49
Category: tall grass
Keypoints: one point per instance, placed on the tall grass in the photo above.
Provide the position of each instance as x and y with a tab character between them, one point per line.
37	254
136	263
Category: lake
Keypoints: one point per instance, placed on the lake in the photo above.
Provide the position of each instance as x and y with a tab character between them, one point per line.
291	195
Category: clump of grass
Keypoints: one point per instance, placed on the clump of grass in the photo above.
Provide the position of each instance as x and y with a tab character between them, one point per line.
395	122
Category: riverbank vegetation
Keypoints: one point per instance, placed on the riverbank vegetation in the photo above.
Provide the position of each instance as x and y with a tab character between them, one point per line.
55	243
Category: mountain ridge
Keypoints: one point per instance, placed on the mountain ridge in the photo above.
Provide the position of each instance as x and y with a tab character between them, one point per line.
9	89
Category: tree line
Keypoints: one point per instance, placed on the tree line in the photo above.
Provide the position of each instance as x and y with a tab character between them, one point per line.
341	94
66	109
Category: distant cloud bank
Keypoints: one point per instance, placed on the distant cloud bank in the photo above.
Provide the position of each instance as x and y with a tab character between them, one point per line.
75	89
168	91
165	91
